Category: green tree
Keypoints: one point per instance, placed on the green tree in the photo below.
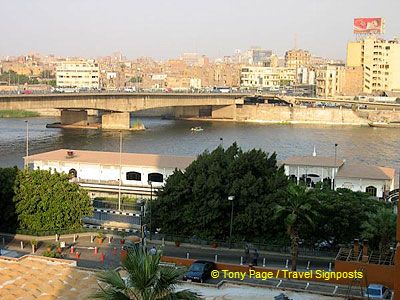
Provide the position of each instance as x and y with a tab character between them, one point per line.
48	201
8	215
380	229
146	280
297	210
195	202
340	215
15	78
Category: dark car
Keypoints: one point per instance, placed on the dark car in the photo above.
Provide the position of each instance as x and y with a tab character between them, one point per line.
199	271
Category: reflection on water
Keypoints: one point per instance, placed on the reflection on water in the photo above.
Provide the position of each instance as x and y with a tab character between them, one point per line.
357	144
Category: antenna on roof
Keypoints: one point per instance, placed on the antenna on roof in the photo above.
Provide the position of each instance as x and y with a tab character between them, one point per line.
314	152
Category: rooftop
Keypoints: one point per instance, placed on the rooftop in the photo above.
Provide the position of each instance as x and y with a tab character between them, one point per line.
314	161
113	158
366	172
38	277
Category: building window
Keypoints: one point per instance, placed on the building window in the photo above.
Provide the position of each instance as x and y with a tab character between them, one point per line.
371	190
155	177
134	176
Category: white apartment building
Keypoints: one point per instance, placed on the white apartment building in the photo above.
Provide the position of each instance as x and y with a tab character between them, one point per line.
78	74
380	60
267	77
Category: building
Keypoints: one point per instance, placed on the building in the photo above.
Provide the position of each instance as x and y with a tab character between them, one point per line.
380	62
267	77
375	180
329	80
102	171
297	58
78	74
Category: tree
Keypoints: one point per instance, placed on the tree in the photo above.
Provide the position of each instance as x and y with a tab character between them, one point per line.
48	201
380	229
298	209
195	202
340	215
146	280
8	216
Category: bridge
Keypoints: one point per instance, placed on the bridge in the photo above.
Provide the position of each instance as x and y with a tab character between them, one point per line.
116	107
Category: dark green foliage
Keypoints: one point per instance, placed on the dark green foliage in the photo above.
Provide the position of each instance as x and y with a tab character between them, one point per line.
195	203
297	210
8	216
380	229
340	215
146	279
48	201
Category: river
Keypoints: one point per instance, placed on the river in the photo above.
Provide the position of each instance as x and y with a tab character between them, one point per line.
378	146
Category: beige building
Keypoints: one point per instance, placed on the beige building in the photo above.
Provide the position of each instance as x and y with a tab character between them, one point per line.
380	62
338	80
329	80
266	77
297	58
78	74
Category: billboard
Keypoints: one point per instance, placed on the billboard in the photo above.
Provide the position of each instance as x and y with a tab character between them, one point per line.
368	25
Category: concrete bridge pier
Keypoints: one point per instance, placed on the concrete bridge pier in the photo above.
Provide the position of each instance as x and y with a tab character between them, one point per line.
74	117
116	120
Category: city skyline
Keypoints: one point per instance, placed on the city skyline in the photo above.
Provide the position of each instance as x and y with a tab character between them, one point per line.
166	30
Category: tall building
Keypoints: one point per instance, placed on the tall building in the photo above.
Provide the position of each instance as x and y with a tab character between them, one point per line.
380	62
297	58
78	74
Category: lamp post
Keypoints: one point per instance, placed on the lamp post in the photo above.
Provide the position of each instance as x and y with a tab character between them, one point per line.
120	170
151	199
335	152
334	173
231	198
27	143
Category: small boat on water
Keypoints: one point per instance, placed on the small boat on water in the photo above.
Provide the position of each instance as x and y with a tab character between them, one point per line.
196	129
385	124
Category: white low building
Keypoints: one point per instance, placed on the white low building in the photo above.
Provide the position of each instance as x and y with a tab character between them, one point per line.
102	171
312	169
375	180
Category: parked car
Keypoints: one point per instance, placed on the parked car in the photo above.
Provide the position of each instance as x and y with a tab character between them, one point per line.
377	291
199	271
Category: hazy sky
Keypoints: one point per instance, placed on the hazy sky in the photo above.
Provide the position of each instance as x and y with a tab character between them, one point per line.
167	28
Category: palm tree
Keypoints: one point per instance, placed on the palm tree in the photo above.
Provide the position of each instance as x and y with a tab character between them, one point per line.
298	209
380	229
145	280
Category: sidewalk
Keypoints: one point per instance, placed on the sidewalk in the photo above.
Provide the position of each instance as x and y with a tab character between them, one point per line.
87	258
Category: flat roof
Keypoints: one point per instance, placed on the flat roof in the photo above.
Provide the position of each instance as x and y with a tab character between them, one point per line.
113	158
365	172
314	161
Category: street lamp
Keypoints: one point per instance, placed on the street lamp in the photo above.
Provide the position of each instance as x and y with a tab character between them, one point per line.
120	170
231	198
27	143
335	152
151	199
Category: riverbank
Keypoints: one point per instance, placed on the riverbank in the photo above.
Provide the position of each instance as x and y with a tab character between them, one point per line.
18	114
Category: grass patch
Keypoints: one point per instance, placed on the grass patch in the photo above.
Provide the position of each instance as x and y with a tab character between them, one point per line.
17	114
